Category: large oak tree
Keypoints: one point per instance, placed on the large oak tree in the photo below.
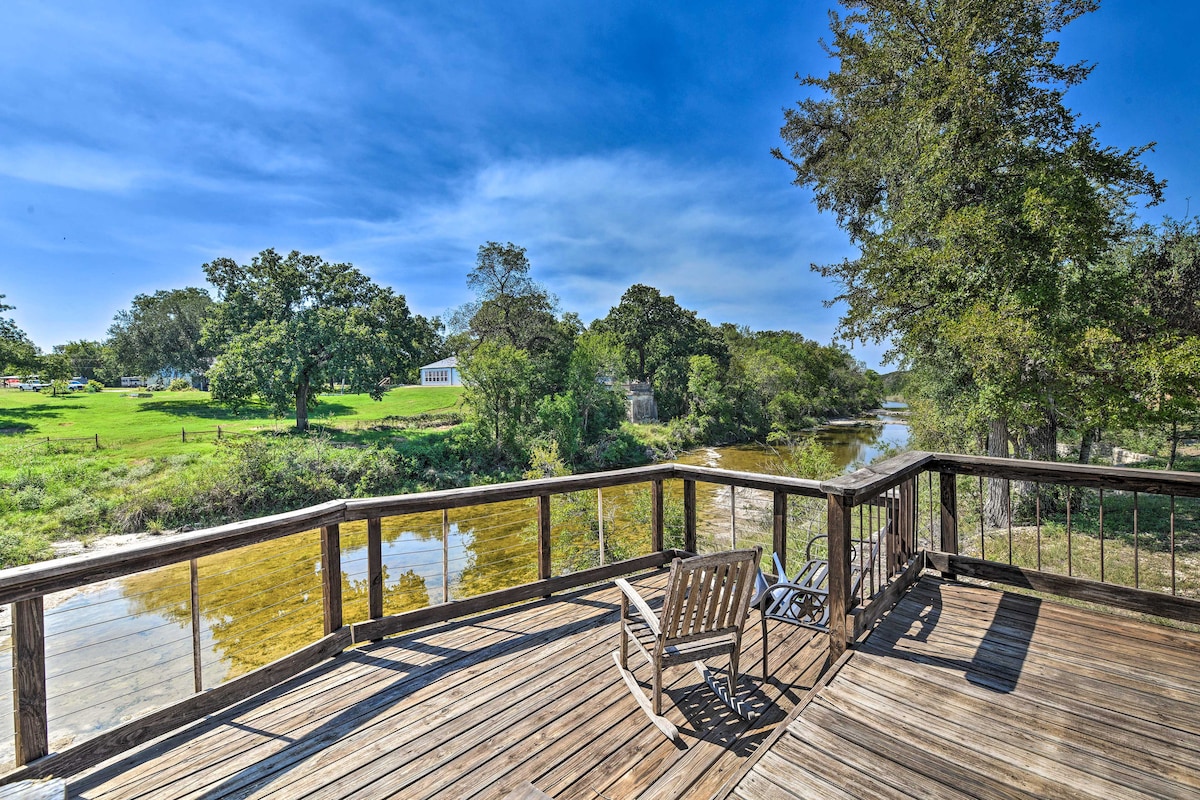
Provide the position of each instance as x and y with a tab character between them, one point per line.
977	200
287	325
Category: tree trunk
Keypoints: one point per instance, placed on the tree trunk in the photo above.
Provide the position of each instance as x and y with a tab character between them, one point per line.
996	505
1039	442
1174	444
302	406
1086	443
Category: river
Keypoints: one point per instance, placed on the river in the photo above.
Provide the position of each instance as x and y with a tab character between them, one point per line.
119	649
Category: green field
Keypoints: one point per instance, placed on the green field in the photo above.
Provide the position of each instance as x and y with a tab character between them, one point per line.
56	484
154	425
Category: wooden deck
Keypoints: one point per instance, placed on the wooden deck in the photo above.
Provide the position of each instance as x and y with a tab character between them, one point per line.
477	708
968	692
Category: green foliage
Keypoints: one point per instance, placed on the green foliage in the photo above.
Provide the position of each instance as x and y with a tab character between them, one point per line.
162	331
498	394
658	337
93	361
16	350
180	385
979	204
289	324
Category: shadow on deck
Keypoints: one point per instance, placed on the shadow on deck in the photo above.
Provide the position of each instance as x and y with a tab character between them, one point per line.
964	691
474	709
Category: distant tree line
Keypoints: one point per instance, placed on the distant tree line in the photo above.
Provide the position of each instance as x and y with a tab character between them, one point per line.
283	327
538	378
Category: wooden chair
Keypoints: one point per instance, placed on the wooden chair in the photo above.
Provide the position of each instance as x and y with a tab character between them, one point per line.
703	615
803	600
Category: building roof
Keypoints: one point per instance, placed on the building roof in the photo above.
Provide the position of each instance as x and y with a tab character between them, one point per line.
452	361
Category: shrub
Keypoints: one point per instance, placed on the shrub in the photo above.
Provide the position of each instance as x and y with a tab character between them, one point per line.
180	385
95	386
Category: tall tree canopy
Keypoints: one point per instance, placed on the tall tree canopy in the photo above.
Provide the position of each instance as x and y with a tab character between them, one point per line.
979	203
163	331
511	308
16	350
659	337
289	324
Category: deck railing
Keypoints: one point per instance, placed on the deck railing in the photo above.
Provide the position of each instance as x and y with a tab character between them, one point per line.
277	605
1127	538
896	501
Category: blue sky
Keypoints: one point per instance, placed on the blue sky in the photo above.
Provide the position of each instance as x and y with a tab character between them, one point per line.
619	142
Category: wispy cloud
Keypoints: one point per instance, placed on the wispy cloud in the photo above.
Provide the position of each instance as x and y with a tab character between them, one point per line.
720	241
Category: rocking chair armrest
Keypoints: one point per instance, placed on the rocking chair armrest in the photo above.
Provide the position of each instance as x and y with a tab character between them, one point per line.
641	605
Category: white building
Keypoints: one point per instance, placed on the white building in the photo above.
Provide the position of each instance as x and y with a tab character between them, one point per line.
441	373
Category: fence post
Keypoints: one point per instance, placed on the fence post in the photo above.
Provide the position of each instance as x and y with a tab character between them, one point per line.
374	568
689	515
543	537
31	728
97	441
183	434
656	515
840	520
331	577
218	433
779	528
197	674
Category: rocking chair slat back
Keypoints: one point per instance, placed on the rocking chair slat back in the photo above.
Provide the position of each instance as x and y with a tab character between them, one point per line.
716	597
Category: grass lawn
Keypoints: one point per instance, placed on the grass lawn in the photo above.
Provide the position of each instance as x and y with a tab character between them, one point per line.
143	468
153	425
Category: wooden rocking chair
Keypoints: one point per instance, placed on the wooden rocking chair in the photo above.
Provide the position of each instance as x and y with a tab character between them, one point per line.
703	615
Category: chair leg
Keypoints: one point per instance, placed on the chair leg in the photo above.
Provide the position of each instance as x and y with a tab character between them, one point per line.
763	617
624	633
658	688
733	671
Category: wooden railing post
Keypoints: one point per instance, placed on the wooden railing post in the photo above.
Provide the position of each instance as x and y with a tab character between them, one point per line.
197	668
543	537
374	567
907	529
331	577
31	728
779	527
840	520
600	521
689	515
949	517
948	488
656	516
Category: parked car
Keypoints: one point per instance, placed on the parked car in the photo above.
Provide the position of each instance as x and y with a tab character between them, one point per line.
32	386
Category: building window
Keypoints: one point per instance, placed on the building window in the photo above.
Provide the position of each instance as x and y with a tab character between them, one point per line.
437	376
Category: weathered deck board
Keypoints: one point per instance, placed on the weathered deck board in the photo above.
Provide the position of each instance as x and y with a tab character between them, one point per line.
968	692
477	708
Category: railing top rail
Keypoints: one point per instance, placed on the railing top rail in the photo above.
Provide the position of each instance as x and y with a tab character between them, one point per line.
750	480
1152	481
21	583
864	484
500	492
34	580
